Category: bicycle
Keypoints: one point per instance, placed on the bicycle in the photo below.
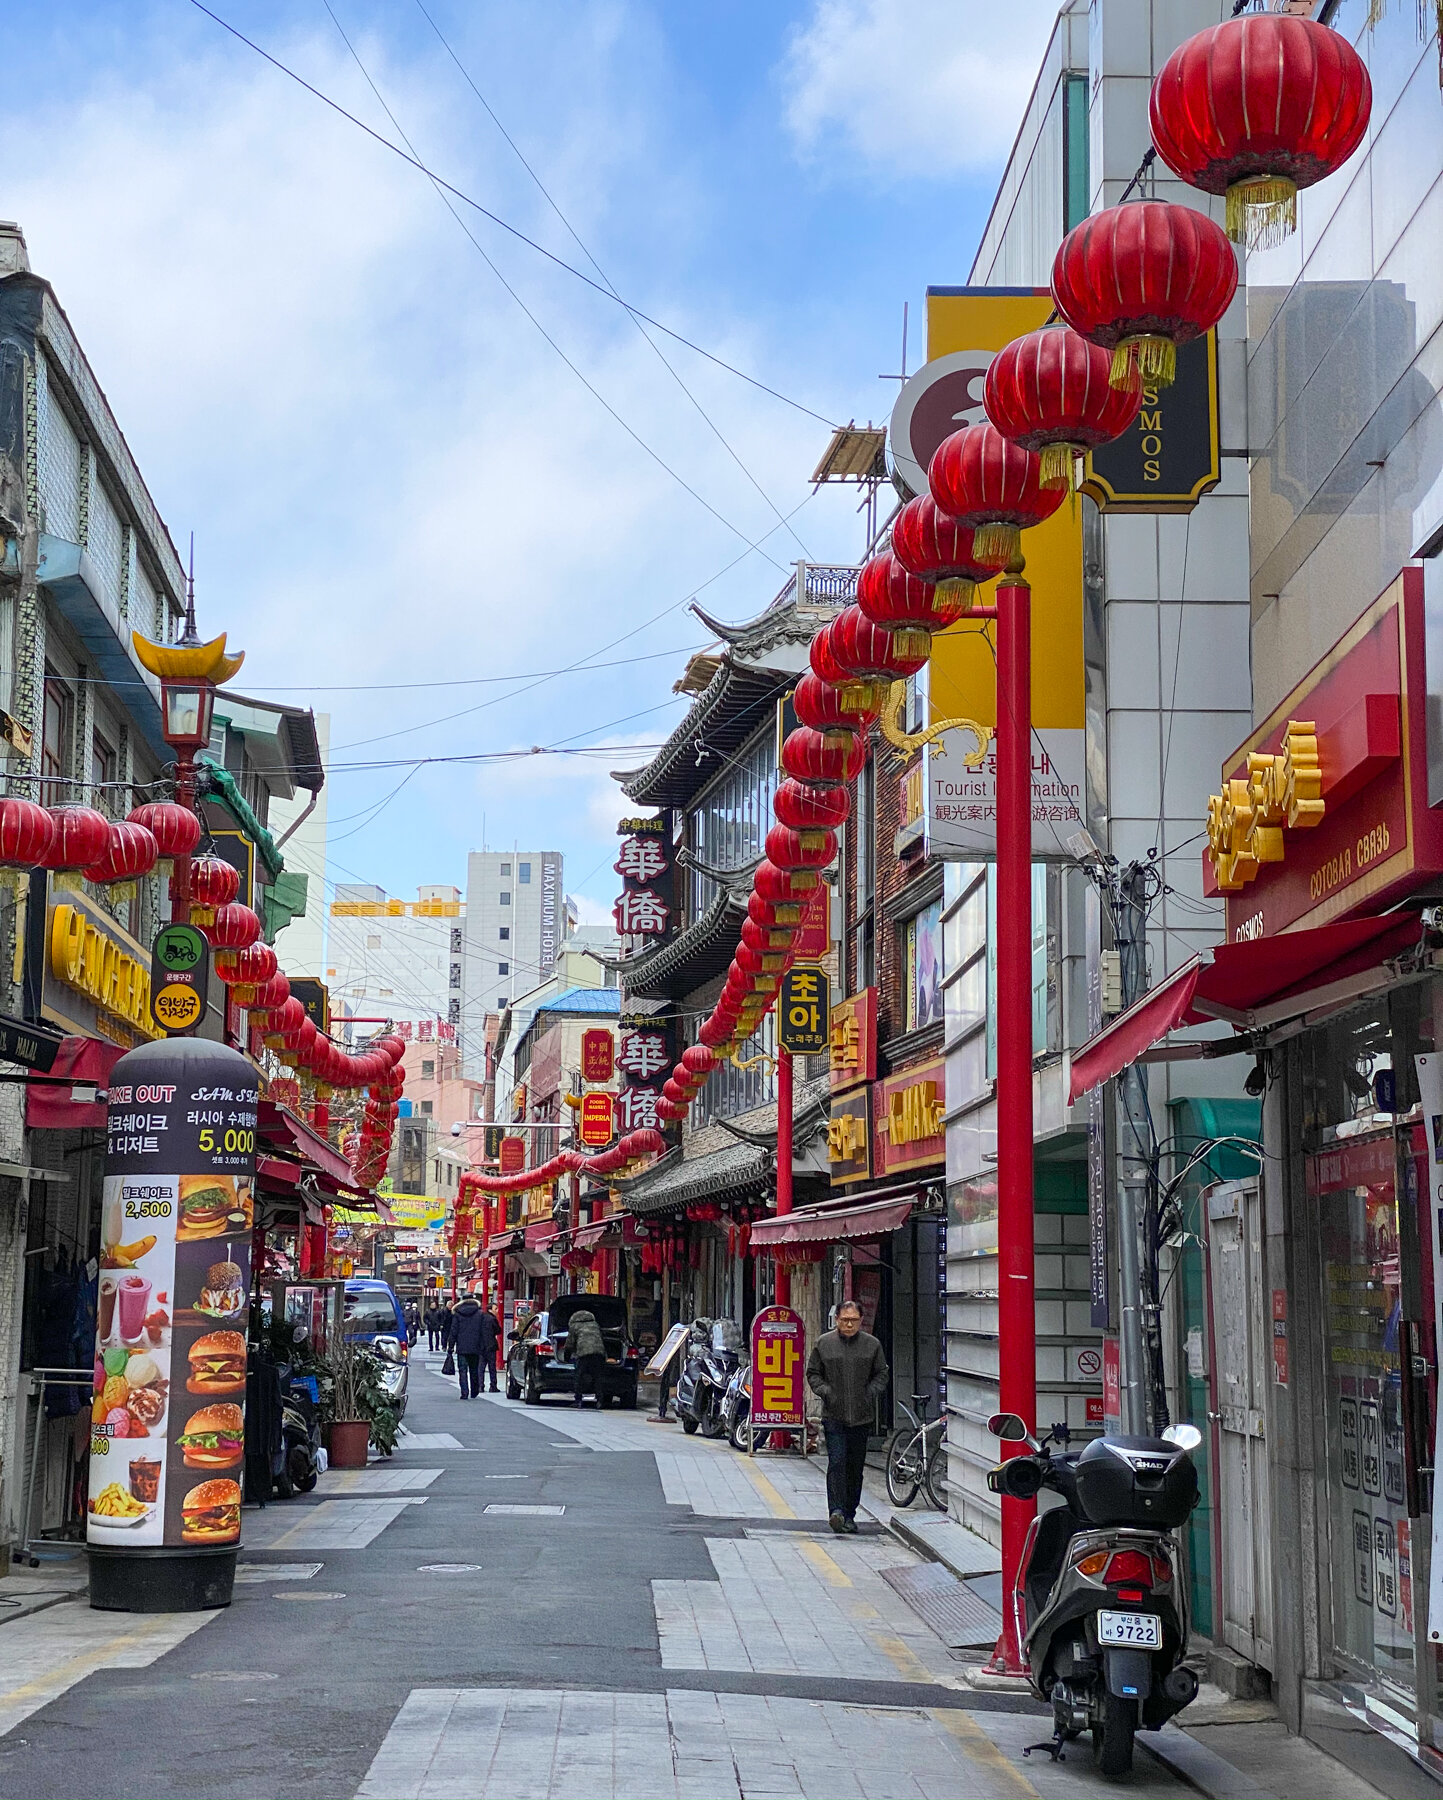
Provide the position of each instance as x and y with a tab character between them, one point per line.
917	1457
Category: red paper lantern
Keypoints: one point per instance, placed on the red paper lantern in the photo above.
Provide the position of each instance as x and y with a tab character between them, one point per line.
80	839
823	660
287	1022
176	829
1051	392
781	885
905	603
768	940
939	551
665	1109
26	833
213	883
878	652
810	809
809	755
390	1045
1140	279
698	1060
271	995
993	486
233	928
246	968
790	849
1256	108
715	1031
826	708
772	916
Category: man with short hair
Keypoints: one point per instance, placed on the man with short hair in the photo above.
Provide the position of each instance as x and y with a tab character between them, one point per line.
847	1371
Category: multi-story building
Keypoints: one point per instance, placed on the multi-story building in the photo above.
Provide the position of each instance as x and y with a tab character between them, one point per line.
399	959
516	917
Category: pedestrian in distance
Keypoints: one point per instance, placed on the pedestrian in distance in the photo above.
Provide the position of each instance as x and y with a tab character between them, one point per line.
586	1348
490	1344
847	1371
433	1325
465	1337
413	1324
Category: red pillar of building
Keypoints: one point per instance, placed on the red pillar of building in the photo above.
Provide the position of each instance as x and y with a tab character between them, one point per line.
784	1162
1017	1319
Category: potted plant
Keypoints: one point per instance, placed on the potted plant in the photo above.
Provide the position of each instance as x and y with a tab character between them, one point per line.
357	1407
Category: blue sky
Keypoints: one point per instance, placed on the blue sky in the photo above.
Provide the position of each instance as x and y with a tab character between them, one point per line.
393	478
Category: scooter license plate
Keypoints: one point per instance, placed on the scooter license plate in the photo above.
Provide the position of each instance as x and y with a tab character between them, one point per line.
1139	1631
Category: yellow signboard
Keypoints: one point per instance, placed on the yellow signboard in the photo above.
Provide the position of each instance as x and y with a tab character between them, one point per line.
93	960
178	1006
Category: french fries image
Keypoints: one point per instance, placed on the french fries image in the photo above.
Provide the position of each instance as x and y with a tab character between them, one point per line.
113	1502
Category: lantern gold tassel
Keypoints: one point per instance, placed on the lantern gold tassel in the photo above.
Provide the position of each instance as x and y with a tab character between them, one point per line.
1261	212
1059	466
1151	360
947	594
996	542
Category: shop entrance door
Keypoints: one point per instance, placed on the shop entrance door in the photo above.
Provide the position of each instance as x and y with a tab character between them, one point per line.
1239	1330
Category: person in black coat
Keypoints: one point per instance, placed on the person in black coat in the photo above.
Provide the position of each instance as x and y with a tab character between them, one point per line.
466	1335
490	1344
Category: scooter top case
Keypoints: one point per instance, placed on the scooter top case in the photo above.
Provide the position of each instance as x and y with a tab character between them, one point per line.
1147	1483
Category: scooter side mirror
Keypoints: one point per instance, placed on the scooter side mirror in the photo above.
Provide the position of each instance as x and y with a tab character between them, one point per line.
1009	1426
1186	1437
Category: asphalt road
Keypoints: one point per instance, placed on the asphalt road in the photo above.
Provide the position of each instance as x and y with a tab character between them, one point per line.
298	1688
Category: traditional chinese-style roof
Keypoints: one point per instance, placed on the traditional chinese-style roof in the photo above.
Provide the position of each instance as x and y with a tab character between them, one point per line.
694	957
743	1171
761	659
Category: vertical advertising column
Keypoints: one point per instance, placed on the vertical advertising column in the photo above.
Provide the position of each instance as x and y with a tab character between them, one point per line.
167	1441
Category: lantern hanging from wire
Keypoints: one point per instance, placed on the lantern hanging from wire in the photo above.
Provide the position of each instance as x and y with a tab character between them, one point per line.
1051	392
1256	108
213	883
824	757
176	829
993	486
1141	279
905	603
26	833
130	852
940	553
80	838
878	653
233	928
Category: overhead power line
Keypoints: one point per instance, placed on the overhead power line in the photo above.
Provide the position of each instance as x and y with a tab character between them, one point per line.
512	230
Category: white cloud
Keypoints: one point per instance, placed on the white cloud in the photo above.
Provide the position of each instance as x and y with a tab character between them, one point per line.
913	88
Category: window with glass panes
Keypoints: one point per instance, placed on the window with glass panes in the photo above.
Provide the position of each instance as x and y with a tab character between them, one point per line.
57	728
728	826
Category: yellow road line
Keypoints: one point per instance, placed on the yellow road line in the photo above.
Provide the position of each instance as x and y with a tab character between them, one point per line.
779	1507
907	1664
983	1752
826	1565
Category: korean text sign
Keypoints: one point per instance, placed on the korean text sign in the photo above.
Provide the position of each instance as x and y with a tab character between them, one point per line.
779	1366
167	1435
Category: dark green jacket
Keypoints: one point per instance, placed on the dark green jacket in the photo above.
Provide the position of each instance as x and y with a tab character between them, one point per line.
583	1336
847	1375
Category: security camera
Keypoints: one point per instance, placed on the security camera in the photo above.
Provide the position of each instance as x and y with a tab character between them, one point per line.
456	1129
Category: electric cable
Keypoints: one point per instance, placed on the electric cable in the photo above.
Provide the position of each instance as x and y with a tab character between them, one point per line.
496	219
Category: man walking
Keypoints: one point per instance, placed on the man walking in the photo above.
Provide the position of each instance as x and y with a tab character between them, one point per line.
586	1347
465	1337
847	1371
490	1342
433	1325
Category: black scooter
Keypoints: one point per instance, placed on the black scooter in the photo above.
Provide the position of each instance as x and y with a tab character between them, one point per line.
713	1352
1099	1610
300	1437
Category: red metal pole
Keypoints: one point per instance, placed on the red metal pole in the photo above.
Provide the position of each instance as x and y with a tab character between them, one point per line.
180	876
784	1162
1016	1314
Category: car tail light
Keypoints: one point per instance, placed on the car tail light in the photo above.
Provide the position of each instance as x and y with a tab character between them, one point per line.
633	1354
545	1349
1129	1565
1092	1565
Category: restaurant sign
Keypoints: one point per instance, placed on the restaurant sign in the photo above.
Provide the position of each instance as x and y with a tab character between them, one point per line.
97	977
853	1039
1324	812
907	1119
849	1138
779	1363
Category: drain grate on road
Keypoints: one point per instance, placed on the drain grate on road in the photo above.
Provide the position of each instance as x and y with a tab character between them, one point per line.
526	1511
962	1619
277	1571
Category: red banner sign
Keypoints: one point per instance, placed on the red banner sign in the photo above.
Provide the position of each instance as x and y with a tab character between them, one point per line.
513	1155
779	1366
598	1050
595	1127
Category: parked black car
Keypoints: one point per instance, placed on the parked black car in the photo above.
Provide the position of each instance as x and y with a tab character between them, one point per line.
536	1361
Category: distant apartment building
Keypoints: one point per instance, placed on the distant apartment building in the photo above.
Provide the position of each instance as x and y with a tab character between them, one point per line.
516	917
398	959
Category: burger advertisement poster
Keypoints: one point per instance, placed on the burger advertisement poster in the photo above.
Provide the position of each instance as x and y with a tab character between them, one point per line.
167	1436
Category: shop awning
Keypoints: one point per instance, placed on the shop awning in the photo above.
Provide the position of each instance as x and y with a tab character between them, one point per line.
542	1236
81	1062
832	1224
281	1130
603	1234
1250	985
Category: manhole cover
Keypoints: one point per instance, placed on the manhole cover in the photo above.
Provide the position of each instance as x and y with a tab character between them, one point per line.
525	1511
233	1675
447	1568
308	1596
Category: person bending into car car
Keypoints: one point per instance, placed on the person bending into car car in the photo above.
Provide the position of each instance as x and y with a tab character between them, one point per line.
586	1347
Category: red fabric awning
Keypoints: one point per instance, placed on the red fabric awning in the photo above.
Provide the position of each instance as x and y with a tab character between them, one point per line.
282	1131
587	1237
832	1225
1250	985
48	1106
541	1235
